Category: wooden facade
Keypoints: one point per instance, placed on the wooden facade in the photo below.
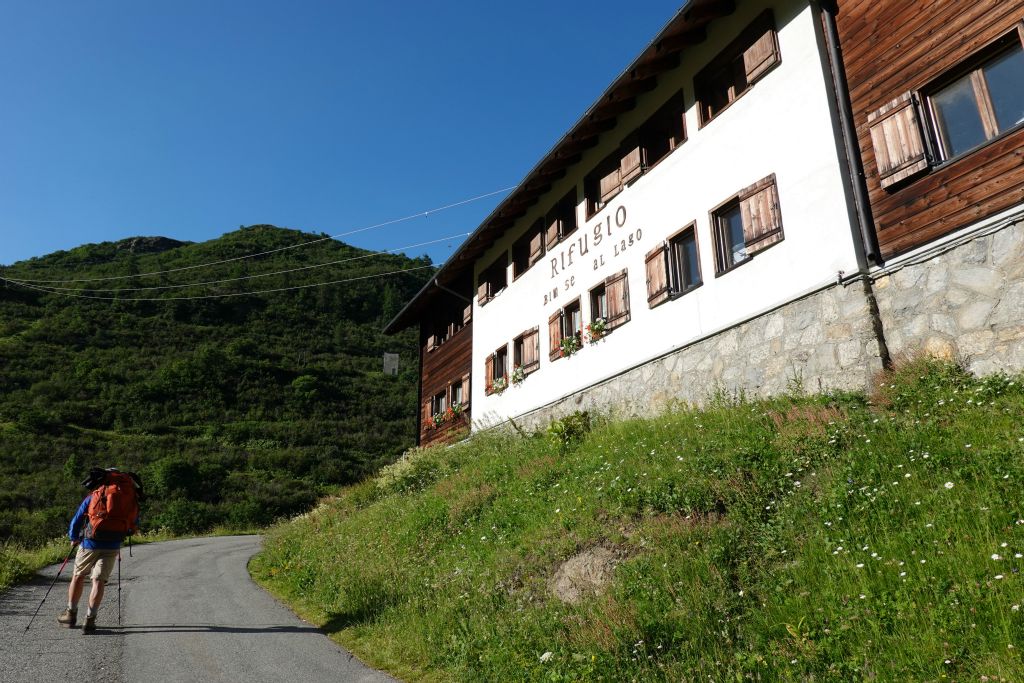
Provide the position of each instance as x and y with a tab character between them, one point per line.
441	366
896	54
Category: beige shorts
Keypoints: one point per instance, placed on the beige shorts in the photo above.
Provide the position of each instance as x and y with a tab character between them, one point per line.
98	563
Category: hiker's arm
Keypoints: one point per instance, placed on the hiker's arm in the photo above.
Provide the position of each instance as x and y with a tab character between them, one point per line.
75	529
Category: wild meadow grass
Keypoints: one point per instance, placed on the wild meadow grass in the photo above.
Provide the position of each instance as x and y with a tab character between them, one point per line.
802	538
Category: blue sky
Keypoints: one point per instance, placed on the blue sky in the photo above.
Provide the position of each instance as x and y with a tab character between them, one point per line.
188	119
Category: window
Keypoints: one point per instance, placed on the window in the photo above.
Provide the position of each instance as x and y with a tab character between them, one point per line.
496	368
744	62
438	403
526	351
561	220
564	323
528	249
610	301
456	390
673	267
965	108
599	303
746	224
980	104
663	132
493	279
603	183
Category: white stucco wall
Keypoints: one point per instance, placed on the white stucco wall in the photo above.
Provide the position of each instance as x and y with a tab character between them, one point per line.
782	125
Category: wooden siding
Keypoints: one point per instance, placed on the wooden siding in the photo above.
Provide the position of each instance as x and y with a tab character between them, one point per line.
894	46
446	364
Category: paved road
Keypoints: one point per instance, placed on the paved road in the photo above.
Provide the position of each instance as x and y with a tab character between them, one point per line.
190	613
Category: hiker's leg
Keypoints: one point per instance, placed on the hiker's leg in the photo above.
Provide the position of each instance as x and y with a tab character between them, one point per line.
96	595
75	589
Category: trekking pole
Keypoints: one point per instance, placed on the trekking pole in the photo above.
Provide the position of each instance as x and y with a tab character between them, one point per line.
119	588
52	583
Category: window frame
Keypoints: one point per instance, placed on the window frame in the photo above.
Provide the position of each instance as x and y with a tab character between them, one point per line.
519	348
491	368
677	266
972	67
742	201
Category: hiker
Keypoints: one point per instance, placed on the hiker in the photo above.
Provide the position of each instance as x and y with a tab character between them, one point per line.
107	515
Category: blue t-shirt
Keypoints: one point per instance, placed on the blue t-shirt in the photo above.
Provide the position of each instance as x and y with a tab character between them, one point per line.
77	528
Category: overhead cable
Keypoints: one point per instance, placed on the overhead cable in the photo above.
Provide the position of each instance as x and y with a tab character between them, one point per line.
420	214
209	296
240	278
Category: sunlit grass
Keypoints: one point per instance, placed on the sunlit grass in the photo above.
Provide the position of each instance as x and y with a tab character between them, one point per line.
825	538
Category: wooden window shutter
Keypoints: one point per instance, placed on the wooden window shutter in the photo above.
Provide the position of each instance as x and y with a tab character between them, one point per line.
465	391
483	288
898	140
762	219
489	374
431	342
531	349
467	314
555	336
762	54
631	165
426	417
536	246
616	289
609	185
658	289
554	230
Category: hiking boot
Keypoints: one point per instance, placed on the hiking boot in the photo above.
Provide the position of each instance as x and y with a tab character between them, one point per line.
68	618
90	625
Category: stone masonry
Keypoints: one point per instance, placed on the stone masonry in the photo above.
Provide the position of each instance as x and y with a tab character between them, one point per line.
966	302
821	342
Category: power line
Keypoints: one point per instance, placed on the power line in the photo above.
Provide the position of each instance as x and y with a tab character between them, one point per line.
420	214
212	296
56	290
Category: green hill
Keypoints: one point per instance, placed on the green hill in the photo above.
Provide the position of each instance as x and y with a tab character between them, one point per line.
827	538
235	410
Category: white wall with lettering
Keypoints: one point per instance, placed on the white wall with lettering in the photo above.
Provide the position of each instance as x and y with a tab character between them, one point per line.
782	125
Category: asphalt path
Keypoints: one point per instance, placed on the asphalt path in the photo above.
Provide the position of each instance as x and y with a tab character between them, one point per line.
189	612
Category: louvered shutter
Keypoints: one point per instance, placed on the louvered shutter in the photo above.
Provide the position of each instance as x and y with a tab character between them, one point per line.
658	289
898	140
531	350
536	246
610	184
467	314
631	165
431	342
426	416
762	55
555	336
465	391
616	289
482	289
553	232
489	374
762	219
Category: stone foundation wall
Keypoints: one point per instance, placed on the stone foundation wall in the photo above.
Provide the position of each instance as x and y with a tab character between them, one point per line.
968	301
821	342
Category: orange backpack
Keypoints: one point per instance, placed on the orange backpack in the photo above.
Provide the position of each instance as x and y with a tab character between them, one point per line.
113	509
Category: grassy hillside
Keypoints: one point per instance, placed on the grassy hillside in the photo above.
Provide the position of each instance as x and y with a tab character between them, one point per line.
803	538
236	411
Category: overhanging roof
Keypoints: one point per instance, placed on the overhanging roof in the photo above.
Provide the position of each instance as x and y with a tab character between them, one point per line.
685	29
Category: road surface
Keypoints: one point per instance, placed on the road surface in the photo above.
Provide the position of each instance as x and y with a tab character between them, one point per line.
189	612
